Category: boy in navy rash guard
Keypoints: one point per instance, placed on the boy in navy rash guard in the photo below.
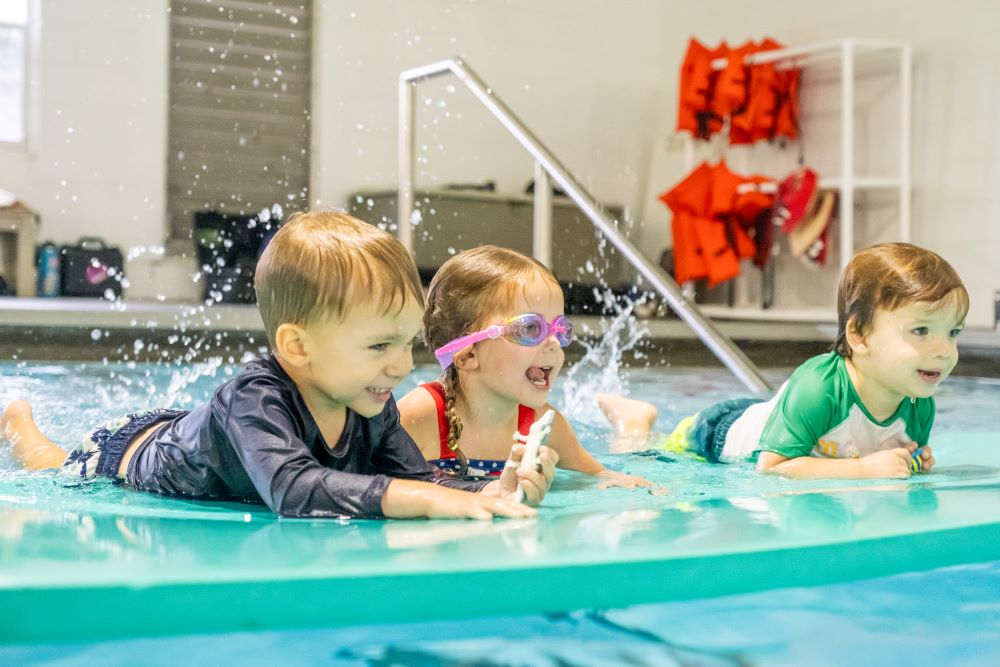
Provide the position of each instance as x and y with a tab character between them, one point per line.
310	429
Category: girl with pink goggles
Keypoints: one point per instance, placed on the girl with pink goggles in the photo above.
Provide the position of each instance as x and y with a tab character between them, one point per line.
529	330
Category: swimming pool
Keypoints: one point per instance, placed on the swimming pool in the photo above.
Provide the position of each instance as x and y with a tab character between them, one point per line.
159	567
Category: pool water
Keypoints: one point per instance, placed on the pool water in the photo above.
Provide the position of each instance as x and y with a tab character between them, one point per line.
728	567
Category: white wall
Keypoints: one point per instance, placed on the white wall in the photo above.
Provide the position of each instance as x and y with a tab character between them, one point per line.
956	205
586	77
98	167
595	80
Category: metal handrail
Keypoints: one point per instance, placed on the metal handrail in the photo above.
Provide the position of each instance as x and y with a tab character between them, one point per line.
546	166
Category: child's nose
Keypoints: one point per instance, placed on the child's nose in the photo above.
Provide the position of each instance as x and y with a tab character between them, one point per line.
401	364
947	347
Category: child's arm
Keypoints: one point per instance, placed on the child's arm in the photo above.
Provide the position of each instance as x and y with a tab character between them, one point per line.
888	463
405	499
268	442
413	496
399	457
810	405
418	415
573	456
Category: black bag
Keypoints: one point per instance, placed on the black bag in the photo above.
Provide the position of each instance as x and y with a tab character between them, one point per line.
90	268
228	249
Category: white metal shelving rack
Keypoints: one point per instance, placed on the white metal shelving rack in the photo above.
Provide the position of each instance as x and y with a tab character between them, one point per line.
847	183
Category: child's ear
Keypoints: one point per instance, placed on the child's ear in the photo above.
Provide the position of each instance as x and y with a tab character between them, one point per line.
290	344
466	359
856	339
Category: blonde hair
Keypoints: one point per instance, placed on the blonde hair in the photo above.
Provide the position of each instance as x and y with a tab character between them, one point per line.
466	289
322	263
888	276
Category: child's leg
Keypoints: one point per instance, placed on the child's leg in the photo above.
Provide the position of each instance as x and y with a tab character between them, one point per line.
30	446
633	421
705	434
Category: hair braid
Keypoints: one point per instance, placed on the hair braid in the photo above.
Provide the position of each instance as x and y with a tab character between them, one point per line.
454	421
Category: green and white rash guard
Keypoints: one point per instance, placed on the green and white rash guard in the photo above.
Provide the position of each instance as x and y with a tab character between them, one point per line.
817	412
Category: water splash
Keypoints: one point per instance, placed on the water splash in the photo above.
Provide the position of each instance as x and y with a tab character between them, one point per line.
177	394
600	370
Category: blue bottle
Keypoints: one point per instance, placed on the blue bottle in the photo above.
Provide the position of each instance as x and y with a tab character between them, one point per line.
49	280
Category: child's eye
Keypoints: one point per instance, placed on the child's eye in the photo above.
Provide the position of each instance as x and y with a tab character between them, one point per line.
954	333
379	347
920	331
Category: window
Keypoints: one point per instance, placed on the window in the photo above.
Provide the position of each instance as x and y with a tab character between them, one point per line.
13	69
239	109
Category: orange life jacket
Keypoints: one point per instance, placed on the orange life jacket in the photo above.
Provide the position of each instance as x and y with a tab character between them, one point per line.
760	100
697	82
711	219
730	92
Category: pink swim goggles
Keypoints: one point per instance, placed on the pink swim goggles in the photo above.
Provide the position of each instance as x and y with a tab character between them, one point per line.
529	330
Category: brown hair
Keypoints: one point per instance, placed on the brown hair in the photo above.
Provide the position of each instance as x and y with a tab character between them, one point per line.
888	276
322	263
465	290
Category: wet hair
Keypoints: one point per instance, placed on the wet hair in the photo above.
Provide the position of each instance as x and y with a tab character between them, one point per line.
468	288
323	263
888	276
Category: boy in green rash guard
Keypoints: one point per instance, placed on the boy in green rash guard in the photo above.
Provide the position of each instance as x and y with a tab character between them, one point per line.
860	410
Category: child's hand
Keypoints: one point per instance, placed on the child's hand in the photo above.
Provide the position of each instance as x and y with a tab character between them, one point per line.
458	504
615	478
534	482
887	463
927	459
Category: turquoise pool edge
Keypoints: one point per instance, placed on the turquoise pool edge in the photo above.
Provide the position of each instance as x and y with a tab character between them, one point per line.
43	615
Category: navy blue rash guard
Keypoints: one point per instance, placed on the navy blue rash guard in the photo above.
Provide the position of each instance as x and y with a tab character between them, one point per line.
256	441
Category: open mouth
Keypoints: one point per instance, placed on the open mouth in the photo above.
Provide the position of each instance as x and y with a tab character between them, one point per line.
929	376
539	377
380	393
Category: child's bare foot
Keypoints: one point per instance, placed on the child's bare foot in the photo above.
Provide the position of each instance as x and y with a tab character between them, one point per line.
30	447
13	415
630	417
633	421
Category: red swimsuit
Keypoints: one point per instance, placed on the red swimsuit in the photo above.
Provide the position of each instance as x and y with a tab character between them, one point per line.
448	459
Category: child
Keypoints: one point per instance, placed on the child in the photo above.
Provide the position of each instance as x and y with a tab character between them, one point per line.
862	409
495	318
311	429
